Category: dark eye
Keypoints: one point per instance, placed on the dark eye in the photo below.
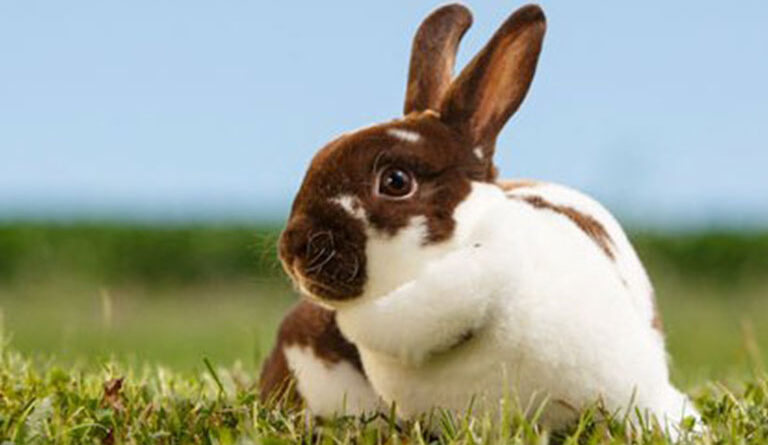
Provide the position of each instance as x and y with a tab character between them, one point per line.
396	183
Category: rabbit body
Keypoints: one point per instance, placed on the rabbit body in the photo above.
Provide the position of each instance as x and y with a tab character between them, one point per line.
526	305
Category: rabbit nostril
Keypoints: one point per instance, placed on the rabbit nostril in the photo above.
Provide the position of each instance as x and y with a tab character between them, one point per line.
321	238
320	250
318	244
319	263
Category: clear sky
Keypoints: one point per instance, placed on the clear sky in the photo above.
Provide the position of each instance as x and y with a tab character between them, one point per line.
174	110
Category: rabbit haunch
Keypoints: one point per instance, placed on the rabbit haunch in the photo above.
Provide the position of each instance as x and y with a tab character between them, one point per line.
314	362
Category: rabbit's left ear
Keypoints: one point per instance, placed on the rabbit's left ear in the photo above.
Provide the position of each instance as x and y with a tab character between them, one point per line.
493	85
433	55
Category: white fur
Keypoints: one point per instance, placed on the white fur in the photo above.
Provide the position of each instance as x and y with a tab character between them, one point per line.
351	205
393	260
478	152
404	135
330	388
627	263
550	313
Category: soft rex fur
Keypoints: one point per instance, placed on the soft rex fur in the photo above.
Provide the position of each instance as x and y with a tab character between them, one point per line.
464	287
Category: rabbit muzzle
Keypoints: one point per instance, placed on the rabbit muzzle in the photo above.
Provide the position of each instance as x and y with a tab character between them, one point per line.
326	262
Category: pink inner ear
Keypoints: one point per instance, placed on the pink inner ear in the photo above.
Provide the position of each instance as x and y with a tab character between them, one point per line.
493	85
509	76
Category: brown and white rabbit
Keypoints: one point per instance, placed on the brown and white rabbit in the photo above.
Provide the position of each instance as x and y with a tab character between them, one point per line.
452	284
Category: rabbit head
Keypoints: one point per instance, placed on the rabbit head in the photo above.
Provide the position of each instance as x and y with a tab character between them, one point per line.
378	203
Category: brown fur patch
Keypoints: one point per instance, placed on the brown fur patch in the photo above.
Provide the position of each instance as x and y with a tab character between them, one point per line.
589	225
509	185
311	326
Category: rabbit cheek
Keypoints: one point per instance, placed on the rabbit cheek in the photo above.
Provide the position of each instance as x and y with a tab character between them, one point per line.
324	254
403	239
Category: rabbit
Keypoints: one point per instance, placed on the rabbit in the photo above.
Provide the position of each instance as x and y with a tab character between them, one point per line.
452	287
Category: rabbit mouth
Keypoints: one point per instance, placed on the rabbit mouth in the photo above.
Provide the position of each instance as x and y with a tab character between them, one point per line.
336	276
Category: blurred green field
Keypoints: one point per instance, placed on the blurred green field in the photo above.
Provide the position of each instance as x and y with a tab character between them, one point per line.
174	295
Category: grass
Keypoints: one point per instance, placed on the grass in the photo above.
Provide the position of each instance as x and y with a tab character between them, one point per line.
167	309
175	327
41	402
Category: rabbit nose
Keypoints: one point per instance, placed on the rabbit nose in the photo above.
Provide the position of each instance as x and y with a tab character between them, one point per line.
326	259
303	245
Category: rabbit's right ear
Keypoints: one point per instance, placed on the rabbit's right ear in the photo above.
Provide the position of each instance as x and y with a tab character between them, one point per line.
493	85
433	55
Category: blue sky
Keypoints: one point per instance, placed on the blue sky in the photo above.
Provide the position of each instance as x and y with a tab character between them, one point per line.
212	110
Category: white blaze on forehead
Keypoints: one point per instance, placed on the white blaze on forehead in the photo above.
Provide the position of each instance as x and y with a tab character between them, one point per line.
478	151
350	204
404	135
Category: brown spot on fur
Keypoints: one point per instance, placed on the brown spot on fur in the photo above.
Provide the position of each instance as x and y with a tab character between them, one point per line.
509	185
589	225
311	326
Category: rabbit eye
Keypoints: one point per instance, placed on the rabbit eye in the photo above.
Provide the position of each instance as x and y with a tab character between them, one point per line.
395	183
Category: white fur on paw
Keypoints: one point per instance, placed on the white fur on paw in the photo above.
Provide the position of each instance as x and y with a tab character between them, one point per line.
330	388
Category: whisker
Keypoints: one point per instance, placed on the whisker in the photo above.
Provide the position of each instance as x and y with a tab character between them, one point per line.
319	267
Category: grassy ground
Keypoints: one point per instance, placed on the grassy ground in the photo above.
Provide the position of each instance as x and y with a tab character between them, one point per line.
42	402
82	305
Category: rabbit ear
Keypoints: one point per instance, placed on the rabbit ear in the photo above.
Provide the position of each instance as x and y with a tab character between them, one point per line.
492	86
433	55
